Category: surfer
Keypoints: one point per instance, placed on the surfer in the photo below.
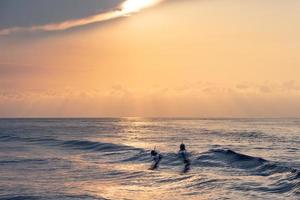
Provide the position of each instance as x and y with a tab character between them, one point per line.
183	154
156	159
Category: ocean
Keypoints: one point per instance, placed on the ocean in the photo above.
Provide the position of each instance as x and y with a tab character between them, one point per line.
109	158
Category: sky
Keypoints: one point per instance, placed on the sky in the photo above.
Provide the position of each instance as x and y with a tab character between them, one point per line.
149	58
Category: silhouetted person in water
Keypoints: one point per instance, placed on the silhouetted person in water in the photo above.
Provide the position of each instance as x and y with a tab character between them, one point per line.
156	159
185	157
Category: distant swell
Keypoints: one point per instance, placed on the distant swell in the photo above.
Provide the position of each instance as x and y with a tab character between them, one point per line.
65	197
96	146
22	161
74	144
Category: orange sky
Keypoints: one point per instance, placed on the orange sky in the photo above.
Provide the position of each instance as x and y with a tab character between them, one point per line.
179	58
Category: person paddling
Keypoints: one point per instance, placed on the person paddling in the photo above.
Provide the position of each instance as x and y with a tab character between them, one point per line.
183	155
156	159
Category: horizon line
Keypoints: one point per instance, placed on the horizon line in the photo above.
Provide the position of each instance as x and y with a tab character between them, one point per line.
195	118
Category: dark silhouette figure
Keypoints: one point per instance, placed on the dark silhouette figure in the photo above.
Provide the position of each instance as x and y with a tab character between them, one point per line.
185	157
156	159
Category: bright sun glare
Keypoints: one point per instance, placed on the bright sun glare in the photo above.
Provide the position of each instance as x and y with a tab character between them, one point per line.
136	5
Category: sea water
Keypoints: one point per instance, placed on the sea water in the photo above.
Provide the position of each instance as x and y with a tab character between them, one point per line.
109	158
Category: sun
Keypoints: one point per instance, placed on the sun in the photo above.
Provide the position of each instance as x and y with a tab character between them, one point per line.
136	5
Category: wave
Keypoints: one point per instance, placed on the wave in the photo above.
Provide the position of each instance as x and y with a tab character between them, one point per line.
96	146
228	157
231	159
281	177
216	157
21	198
55	197
15	138
22	161
5	138
74	144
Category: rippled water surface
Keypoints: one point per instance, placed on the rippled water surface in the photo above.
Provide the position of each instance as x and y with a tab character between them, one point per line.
109	159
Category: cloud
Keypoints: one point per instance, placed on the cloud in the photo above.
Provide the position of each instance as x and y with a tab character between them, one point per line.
122	9
192	99
16	13
94	103
64	25
290	86
242	86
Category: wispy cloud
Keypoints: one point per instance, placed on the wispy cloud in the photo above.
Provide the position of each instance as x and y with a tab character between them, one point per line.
123	9
89	102
64	25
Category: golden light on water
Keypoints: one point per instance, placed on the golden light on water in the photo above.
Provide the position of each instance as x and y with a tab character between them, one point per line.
136	5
